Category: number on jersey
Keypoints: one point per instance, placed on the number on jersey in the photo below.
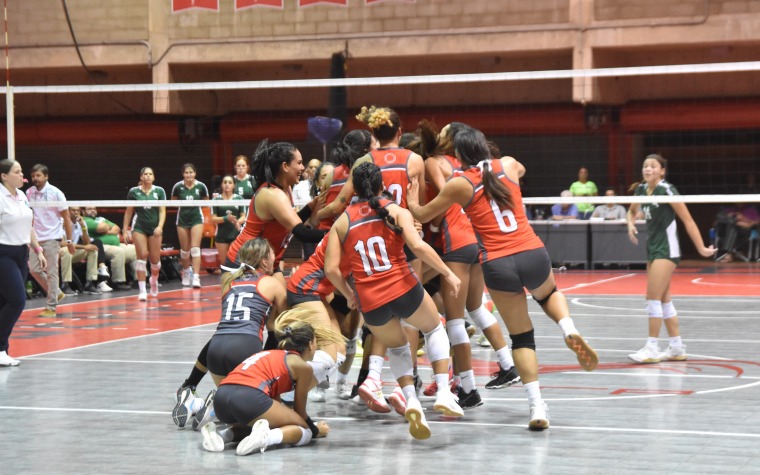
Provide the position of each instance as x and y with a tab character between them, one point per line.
241	311
369	254
397	192
500	218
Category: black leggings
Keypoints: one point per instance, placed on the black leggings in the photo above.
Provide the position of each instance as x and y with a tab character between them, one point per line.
14	269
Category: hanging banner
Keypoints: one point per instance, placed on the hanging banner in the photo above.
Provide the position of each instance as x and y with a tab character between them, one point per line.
180	5
309	3
243	4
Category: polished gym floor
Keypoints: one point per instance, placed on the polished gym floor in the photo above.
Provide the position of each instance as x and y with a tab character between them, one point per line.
95	388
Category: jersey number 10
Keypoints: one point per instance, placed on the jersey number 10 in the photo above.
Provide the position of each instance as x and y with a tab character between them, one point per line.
375	245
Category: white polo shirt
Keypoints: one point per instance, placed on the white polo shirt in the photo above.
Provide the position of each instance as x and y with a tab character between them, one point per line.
48	223
15	218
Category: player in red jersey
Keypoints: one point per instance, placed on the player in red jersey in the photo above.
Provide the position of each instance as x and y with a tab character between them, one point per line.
248	398
513	257
454	239
371	235
276	167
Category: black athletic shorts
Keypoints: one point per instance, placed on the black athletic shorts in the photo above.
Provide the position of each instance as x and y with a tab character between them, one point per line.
402	307
226	351
235	403
294	298
527	269
466	255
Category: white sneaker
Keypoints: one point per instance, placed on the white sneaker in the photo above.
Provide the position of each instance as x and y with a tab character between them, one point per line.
103	271
446	403
142	296
153	286
648	354
257	440
196	281
344	390
6	360
317	394
104	287
398	401
371	392
674	354
539	416
418	426
182	411
483	341
206	414
187	276
212	441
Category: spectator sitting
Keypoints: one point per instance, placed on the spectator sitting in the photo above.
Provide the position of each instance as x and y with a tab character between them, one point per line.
118	254
584	187
302	190
610	210
84	249
734	225
562	211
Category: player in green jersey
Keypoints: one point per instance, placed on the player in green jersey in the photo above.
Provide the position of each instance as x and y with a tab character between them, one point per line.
244	185
663	255
146	230
190	224
228	219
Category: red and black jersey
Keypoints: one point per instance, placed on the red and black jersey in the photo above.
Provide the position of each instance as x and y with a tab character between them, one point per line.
244	309
310	278
339	178
455	230
266	371
499	232
393	163
254	227
376	257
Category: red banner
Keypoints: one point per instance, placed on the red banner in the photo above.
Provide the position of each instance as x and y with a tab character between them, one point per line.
179	5
309	3
243	4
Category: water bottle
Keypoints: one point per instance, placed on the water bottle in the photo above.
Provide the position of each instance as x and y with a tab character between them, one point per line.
29	288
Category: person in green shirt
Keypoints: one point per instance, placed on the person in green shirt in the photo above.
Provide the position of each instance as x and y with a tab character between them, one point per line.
663	255
244	185
119	255
190	224
146	230
228	219
584	187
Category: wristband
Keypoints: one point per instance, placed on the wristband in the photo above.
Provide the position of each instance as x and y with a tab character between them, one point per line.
69	241
38	249
313	427
434	228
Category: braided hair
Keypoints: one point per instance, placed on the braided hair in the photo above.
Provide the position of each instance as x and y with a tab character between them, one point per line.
368	183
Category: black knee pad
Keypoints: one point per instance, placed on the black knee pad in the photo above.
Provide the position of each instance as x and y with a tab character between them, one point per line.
433	286
524	340
543	301
365	333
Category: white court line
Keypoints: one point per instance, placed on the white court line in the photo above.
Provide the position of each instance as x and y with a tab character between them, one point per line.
86	360
698	281
451	423
659	375
717	312
689	298
602	281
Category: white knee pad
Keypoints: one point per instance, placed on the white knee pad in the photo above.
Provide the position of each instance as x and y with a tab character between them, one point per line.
141	265
322	364
400	361
155	268
654	309
482	318
351	347
195	251
457	332
668	310
184	254
437	344
305	437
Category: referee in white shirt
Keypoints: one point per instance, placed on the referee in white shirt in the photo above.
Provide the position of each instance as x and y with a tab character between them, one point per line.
47	225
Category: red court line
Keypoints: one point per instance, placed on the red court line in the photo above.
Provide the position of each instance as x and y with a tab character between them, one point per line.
689	284
109	319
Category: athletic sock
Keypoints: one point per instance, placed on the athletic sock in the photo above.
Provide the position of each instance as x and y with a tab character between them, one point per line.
533	391
567	326
505	358
653	342
468	380
274	437
376	367
675	342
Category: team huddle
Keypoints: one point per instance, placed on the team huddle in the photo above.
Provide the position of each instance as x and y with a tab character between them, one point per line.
408	237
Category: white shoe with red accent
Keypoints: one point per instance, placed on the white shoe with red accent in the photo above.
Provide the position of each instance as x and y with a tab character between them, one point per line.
398	401
371	392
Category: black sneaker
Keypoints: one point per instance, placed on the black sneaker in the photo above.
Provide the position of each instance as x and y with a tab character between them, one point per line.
469	400
503	378
354	391
66	289
91	288
121	286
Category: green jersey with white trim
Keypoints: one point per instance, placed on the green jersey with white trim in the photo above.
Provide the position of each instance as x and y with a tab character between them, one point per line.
187	216
662	240
146	218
